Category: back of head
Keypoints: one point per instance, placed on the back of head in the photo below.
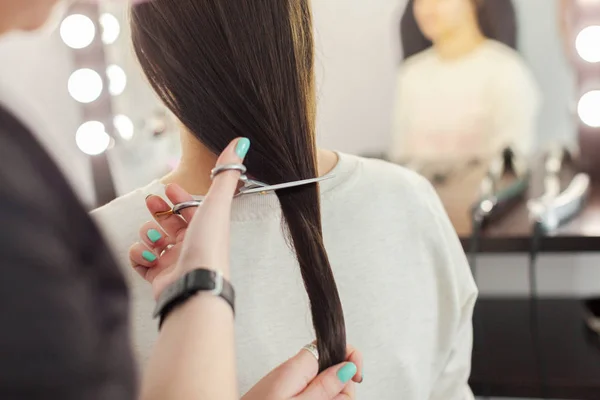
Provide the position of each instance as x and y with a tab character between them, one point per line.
244	68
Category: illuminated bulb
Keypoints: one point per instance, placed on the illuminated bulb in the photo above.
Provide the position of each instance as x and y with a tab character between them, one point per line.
487	206
117	79
77	31
588	44
111	29
92	139
589	108
85	85
124	126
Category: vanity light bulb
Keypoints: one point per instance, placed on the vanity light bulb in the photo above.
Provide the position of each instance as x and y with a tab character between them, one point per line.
92	139
77	31
85	85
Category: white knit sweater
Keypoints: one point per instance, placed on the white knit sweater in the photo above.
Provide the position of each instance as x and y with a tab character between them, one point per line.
405	285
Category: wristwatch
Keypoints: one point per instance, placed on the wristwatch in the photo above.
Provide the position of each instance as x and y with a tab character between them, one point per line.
198	280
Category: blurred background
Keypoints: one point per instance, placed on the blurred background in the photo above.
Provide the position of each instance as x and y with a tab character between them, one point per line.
359	51
382	92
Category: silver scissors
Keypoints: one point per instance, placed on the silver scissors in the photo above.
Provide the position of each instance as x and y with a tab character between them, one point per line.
250	186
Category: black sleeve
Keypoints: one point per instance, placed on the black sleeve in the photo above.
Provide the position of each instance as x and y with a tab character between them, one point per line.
63	302
46	339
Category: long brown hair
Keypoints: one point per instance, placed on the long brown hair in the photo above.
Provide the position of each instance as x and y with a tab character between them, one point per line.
231	68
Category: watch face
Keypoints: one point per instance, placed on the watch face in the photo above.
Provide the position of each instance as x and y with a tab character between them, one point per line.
195	281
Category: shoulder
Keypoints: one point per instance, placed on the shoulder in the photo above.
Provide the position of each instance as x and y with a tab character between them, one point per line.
377	172
515	74
125	205
422	58
498	51
506	59
418	64
390	196
392	183
121	219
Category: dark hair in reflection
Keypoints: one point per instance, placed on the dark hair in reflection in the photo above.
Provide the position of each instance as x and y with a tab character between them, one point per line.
497	20
231	68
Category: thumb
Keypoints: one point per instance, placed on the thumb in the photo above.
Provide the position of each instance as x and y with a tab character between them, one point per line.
333	383
225	183
207	236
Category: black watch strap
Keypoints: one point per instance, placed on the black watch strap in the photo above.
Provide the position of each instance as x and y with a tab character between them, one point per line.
199	280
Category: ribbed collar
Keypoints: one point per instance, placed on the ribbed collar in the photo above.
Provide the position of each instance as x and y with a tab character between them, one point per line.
258	206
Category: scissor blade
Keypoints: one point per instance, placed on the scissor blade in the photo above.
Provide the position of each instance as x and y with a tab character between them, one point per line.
271	188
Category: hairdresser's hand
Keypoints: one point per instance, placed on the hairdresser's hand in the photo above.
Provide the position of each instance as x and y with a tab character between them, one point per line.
162	256
297	379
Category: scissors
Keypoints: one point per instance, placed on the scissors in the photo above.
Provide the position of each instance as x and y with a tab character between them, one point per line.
250	186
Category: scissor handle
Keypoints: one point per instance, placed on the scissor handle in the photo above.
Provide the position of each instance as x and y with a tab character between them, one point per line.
178	208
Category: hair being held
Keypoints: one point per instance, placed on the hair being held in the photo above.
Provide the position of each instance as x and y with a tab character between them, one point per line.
244	68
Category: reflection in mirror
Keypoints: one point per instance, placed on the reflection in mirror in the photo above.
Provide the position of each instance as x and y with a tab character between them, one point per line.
466	94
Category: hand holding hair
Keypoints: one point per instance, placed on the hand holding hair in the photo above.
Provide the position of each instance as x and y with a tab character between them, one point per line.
172	246
297	379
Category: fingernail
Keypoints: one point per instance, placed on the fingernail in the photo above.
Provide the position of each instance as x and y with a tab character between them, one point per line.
153	235
149	256
147	197
347	372
242	147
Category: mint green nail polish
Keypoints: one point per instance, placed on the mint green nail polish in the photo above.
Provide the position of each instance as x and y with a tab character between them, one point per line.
153	235
242	147
347	372
148	256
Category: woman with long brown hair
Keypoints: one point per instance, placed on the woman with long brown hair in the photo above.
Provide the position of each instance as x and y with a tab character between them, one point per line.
230	68
64	302
469	96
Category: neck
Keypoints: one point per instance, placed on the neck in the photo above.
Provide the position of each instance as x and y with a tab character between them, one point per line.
193	171
460	43
6	23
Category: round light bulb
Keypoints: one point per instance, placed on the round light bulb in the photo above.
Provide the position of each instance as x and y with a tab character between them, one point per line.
77	31
589	108
111	29
117	79
588	44
91	138
124	126
85	85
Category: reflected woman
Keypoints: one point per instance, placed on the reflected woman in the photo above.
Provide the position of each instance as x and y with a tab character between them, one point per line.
373	237
468	96
497	20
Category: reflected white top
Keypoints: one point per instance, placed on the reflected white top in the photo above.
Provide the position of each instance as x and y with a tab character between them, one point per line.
470	107
405	284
